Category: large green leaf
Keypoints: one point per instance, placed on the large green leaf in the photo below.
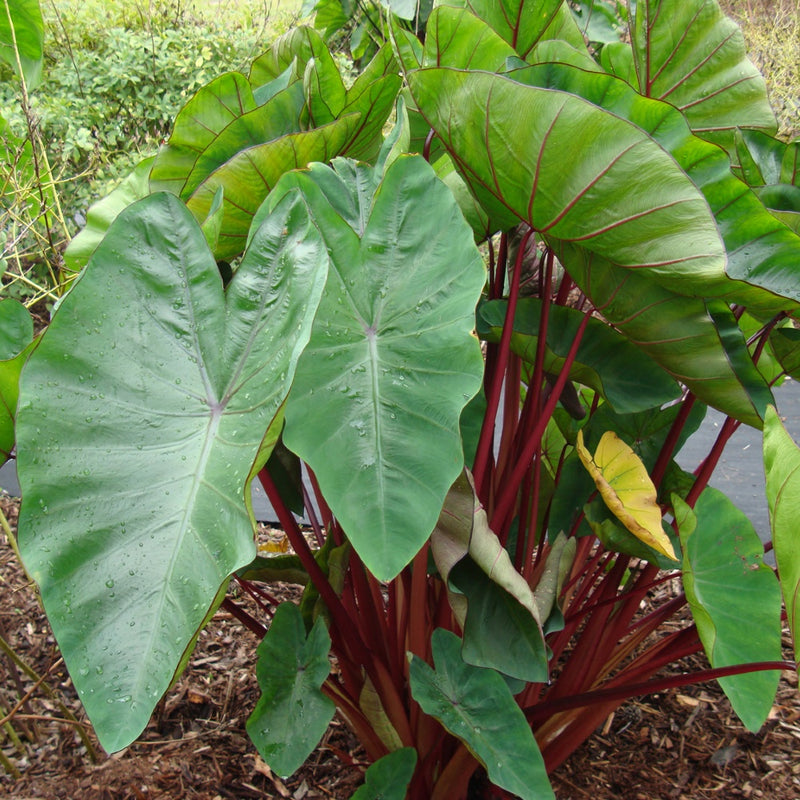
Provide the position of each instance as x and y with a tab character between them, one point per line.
734	597
247	178
688	53
572	171
22	38
521	23
476	705
782	468
606	361
141	414
221	120
392	362
761	252
133	187
292	713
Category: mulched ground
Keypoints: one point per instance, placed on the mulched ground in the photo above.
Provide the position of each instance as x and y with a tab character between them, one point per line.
685	744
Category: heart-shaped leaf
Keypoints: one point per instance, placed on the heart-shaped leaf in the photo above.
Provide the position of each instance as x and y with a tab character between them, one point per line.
292	713
477	706
392	360
144	407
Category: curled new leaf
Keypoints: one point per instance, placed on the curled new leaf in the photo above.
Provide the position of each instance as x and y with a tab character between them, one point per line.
626	488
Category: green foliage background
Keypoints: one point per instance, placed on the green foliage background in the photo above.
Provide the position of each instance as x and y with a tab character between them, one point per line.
116	73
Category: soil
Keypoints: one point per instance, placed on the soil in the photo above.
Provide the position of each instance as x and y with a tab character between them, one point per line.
681	745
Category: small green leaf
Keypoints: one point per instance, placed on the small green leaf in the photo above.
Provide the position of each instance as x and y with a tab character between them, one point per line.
499	632
388	777
477	706
734	597
462	530
292	713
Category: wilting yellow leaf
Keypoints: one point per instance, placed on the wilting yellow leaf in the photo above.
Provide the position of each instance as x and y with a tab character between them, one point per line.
626	488
272	546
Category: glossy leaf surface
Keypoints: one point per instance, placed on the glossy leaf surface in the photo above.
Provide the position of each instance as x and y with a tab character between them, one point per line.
596	194
477	706
734	597
392	360
688	53
760	251
160	402
782	468
247	178
292	713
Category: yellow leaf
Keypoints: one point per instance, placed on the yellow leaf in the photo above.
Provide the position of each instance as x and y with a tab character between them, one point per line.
272	546
626	488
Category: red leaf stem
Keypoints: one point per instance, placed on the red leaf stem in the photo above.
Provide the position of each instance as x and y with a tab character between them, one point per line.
493	397
508	496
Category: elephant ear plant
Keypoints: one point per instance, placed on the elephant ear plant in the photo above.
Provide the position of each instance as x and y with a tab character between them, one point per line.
484	338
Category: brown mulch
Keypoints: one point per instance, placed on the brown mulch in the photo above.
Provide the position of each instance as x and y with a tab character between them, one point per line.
686	744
